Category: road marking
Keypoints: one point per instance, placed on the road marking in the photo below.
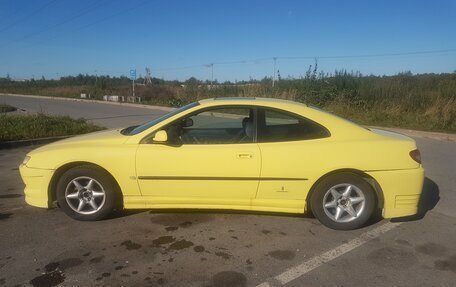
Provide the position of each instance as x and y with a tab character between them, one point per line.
309	265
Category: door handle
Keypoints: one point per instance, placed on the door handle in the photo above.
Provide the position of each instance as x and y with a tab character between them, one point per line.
244	155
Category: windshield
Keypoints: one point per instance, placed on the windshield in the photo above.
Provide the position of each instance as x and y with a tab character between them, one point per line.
147	125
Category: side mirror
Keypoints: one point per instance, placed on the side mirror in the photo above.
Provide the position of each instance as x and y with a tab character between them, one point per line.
161	137
188	122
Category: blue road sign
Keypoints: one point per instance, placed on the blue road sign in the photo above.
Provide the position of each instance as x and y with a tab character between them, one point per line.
133	74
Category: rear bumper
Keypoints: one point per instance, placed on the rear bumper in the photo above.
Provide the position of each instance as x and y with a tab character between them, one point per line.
36	185
401	190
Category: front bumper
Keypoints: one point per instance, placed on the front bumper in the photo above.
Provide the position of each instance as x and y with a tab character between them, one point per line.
402	190
36	182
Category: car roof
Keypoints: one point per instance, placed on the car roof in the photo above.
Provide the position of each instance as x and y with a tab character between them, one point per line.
249	101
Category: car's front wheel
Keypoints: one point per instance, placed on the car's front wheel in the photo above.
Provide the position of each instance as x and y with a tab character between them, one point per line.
343	201
87	193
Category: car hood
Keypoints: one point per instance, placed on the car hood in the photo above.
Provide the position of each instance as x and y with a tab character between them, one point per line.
97	138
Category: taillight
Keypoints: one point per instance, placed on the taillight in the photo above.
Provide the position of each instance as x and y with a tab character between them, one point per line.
415	155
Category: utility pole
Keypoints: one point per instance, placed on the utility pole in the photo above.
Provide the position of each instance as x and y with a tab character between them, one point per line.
274	71
133	78
212	74
147	77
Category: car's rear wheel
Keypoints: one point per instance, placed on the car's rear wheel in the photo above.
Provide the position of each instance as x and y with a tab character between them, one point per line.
87	193
343	201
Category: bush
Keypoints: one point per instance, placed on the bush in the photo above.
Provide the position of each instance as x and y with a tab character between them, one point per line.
19	127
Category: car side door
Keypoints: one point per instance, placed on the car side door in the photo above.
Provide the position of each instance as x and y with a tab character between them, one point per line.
211	159
290	146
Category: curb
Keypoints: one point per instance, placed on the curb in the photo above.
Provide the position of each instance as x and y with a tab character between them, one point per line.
21	143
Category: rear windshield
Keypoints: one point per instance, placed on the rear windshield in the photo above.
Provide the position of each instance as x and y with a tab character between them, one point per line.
147	125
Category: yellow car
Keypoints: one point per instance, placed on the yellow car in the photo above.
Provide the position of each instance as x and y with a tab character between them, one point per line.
232	153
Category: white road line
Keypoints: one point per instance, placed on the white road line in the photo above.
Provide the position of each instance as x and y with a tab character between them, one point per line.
307	266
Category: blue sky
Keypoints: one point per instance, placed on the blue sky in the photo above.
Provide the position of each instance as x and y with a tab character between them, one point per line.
175	38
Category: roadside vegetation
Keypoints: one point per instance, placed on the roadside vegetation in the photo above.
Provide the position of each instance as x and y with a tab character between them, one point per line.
19	127
423	101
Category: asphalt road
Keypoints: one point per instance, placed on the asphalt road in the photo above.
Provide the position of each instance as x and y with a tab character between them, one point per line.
108	115
176	248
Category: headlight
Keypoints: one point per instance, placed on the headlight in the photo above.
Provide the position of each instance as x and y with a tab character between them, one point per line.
26	160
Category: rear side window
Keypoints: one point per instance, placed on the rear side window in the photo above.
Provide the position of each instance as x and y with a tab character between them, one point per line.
281	126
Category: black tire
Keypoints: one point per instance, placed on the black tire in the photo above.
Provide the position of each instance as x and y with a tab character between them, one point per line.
110	201
322	195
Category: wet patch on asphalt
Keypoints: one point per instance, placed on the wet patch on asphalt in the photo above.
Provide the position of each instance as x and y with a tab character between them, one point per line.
282	254
448	264
163	240
130	245
185	224
224	255
402	242
181	244
63	264
171	228
180	219
432	249
51	279
228	279
97	259
199	248
5	215
392	257
54	275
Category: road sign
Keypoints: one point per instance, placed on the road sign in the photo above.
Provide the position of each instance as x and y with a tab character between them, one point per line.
133	74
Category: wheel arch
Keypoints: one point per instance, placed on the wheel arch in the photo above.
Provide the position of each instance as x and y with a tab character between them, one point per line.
369	179
52	196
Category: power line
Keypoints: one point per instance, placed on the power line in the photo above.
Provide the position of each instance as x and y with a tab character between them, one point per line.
95	22
80	13
30	15
273	59
369	55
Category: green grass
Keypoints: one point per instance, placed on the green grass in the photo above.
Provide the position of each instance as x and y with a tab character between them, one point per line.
21	127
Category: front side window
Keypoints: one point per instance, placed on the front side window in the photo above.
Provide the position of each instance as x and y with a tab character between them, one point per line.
138	129
279	126
227	125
